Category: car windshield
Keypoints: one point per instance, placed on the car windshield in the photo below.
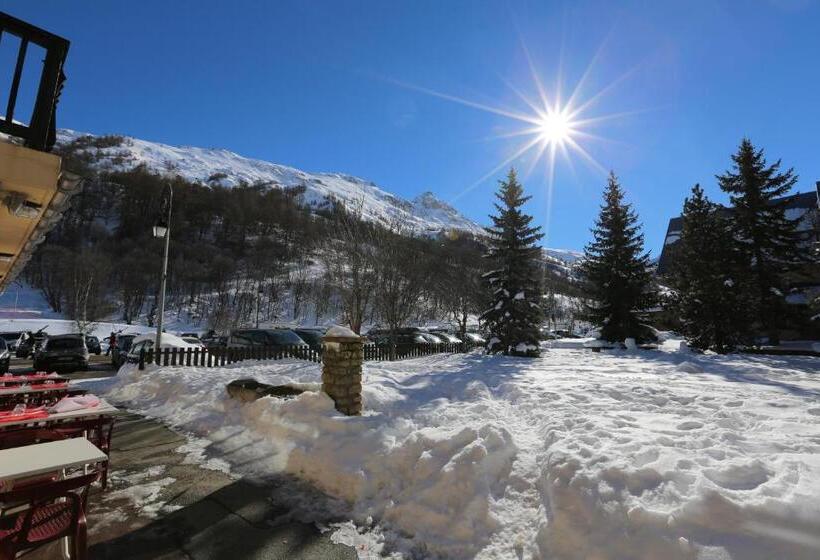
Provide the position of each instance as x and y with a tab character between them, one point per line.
124	342
310	336
2	345
251	337
10	336
64	344
285	337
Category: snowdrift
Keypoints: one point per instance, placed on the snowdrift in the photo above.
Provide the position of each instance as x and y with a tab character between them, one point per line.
572	455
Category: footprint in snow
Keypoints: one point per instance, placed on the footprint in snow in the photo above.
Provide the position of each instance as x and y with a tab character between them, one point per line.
690	425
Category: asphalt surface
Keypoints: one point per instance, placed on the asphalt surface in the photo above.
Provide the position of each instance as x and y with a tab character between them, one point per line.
98	366
201	514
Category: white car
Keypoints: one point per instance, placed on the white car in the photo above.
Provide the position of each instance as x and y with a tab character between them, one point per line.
146	342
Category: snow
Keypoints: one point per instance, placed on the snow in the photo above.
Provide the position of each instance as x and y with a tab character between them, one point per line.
62	326
340	331
167	340
425	213
650	454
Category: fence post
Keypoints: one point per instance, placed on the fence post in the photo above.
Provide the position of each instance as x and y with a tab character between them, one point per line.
174	356
142	358
342	355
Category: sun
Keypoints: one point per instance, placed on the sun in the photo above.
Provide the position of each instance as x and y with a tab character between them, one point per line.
554	127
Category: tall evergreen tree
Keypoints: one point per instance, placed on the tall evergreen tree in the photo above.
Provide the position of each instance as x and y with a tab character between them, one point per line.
768	239
616	270
515	316
706	278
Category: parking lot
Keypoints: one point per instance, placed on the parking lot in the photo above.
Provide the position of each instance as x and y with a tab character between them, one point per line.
96	365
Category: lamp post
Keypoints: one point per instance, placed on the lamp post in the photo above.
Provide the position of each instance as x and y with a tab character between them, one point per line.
163	229
258	296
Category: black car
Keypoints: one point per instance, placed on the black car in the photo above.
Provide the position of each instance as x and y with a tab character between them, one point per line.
64	352
5	356
214	341
403	336
241	338
93	344
313	336
12	339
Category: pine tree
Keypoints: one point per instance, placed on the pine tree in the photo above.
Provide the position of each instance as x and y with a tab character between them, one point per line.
768	239
515	316
616	270
705	275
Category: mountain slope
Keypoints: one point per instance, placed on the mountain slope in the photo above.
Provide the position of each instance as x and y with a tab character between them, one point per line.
425	213
213	166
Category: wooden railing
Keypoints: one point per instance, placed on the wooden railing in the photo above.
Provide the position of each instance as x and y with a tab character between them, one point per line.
38	129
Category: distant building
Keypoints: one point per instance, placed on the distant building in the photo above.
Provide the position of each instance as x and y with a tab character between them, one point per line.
803	206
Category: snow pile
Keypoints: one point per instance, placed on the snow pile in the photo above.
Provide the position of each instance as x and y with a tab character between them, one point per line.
607	455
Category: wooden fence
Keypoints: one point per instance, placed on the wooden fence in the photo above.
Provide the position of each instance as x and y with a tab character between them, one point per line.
221	356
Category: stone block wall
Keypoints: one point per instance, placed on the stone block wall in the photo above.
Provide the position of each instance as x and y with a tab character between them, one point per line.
342	358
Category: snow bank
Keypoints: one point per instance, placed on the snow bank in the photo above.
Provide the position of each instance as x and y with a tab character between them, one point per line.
575	455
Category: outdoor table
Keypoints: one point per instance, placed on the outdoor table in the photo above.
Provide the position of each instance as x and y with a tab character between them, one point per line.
55	419
42	458
39	388
14	380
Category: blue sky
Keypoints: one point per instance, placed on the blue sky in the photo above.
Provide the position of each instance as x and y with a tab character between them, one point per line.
323	86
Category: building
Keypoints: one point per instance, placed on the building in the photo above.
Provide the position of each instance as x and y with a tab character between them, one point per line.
34	188
802	206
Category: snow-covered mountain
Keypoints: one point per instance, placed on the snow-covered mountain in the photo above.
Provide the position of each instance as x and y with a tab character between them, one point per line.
215	166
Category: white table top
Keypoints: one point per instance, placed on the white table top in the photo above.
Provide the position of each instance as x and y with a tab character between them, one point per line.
102	409
31	460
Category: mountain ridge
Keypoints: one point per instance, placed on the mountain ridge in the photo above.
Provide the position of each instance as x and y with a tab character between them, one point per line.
425	213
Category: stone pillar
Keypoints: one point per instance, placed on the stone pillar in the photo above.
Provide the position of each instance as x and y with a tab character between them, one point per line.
342	356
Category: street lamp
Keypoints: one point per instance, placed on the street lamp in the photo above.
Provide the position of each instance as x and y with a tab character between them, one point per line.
163	229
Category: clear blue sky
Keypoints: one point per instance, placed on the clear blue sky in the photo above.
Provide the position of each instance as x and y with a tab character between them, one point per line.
314	85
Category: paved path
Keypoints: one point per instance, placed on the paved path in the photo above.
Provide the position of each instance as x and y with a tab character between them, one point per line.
161	507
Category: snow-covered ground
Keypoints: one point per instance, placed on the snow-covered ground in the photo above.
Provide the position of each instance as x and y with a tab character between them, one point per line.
644	455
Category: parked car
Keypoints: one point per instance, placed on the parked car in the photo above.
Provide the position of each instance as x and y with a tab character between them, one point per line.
193	341
93	344
474	338
243	338
121	348
447	337
66	352
12	339
146	342
403	336
432	338
214	341
312	335
5	356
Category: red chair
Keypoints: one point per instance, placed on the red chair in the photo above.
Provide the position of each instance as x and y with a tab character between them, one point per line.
45	519
98	431
28	436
